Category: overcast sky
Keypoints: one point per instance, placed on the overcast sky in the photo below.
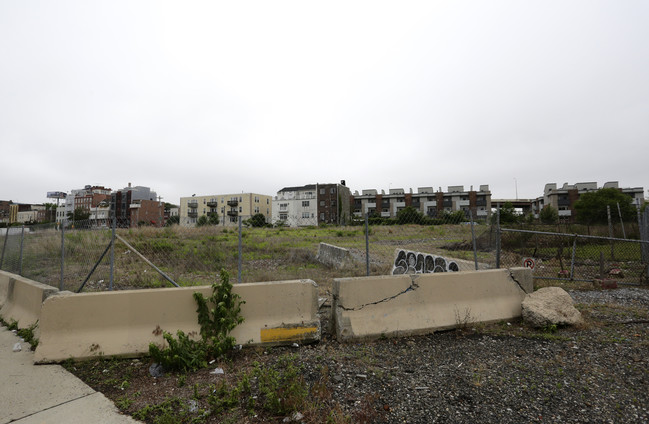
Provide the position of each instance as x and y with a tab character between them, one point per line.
214	97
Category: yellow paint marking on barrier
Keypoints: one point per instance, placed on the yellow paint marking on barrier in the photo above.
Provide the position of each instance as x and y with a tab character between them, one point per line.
281	334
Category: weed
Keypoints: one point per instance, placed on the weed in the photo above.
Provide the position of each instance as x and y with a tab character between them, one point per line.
217	316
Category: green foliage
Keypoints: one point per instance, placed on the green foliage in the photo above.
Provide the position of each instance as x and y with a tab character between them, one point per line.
453	217
409	215
170	411
257	220
212	218
508	214
279	390
218	315
79	215
181	354
591	207
549	215
27	334
283	390
173	220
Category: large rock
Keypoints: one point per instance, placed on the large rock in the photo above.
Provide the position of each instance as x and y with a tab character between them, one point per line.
550	306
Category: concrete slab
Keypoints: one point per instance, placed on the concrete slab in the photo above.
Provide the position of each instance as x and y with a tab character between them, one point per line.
95	408
34	393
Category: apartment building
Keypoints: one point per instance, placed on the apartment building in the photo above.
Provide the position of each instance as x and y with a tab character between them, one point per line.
564	198
428	201
125	205
312	205
228	207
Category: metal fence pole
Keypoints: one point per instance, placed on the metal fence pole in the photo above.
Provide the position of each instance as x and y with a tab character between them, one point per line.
498	237
20	260
111	279
619	212
240	252
4	246
572	260
367	246
62	255
610	231
645	238
475	248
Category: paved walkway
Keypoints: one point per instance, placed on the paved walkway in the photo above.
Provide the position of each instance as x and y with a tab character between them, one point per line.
47	394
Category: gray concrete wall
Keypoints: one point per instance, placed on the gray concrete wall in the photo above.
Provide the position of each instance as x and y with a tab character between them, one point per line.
372	307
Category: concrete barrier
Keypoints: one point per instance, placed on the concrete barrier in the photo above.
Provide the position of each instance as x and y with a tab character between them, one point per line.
21	299
335	256
371	307
125	322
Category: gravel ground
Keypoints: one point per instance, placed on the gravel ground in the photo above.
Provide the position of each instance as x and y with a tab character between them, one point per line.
504	372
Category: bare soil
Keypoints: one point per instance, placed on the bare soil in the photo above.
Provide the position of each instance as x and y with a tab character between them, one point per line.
505	372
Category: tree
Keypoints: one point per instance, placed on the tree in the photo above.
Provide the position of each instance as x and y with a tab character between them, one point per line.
202	221
257	220
79	214
549	215
409	215
213	218
507	214
591	206
172	220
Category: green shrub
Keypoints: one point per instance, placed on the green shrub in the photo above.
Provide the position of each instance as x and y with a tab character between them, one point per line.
218	315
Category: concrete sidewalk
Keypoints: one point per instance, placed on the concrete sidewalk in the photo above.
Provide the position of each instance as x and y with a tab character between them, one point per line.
31	394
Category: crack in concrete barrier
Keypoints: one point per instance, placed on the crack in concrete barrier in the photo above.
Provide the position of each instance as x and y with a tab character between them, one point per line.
511	275
413	286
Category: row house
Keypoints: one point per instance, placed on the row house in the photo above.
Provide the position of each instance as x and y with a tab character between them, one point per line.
228	207
312	205
426	200
563	199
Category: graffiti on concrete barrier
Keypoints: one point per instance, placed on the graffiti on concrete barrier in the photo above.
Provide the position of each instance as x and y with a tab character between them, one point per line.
408	262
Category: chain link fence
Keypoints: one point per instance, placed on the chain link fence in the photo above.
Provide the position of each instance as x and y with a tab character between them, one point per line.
618	251
85	256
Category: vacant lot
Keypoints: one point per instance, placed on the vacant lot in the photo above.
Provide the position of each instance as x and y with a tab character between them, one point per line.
505	372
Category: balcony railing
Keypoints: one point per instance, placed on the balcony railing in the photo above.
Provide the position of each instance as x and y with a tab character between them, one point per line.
192	213
233	213
192	204
212	203
233	202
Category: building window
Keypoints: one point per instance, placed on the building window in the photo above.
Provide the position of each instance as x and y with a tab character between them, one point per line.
322	203
332	191
305	215
322	217
305	203
283	216
322	191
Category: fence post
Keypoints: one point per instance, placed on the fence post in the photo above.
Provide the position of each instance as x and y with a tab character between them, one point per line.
20	260
645	238
475	247
367	246
62	254
572	260
111	279
610	231
4	247
619	213
240	252
498	236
